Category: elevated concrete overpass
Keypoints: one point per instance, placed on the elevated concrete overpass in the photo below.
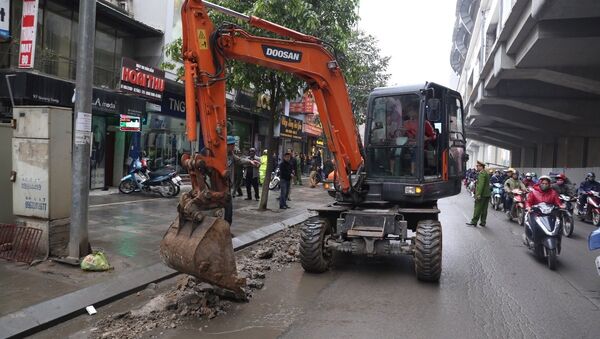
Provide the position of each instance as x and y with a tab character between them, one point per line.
530	78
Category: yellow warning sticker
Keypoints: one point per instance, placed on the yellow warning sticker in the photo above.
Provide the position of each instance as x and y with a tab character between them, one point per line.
202	41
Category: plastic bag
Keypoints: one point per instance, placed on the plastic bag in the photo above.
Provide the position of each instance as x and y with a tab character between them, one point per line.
96	261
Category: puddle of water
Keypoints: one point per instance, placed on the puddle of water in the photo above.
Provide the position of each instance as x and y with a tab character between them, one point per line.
249	332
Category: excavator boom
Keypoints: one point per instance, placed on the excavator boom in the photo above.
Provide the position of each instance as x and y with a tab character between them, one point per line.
199	242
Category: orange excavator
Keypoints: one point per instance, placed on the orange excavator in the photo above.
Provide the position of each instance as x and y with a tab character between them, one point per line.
385	192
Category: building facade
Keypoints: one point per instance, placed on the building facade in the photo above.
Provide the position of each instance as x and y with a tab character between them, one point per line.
529	78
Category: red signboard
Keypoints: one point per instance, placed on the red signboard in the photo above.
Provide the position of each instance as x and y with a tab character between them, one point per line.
313	130
306	106
142	80
28	33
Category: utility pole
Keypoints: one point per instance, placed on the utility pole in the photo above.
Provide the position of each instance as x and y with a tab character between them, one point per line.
78	236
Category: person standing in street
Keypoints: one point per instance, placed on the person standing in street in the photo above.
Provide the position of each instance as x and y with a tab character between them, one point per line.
285	176
232	161
298	171
293	164
482	196
236	188
252	175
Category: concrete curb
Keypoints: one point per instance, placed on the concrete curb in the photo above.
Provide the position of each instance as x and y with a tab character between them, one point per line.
46	314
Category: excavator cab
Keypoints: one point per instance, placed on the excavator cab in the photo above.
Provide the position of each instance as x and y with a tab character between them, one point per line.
414	143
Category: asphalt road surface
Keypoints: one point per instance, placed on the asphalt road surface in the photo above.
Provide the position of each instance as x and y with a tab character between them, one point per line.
491	287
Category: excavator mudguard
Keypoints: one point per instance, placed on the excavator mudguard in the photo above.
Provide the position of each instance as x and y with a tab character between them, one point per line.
203	249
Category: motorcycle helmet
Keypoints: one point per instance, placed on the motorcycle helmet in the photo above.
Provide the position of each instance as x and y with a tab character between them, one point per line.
560	179
528	175
590	176
544	186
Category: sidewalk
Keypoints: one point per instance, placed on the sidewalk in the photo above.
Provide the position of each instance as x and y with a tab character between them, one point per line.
129	229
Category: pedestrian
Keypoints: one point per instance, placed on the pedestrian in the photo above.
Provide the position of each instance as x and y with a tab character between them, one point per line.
298	177
285	176
239	177
482	196
293	163
302	163
232	161
252	175
313	175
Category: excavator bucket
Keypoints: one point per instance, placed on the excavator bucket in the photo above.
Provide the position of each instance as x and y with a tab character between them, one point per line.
203	249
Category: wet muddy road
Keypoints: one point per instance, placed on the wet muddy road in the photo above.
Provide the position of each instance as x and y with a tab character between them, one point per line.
491	287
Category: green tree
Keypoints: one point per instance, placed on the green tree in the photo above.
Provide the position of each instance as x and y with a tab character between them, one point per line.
332	21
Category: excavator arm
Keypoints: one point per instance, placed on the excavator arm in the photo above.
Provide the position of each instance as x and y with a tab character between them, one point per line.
204	52
199	229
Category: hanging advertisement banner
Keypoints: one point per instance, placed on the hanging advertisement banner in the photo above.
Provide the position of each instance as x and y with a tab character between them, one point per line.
28	33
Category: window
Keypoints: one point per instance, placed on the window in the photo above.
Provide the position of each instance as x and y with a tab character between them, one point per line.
55	55
392	142
455	114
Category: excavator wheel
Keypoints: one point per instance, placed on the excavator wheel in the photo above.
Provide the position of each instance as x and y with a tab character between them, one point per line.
428	250
314	257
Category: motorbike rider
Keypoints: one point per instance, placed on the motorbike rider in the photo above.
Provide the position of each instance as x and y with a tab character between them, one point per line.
590	184
497	178
561	186
542	192
511	184
528	181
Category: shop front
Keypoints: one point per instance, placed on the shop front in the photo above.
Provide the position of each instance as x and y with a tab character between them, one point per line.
109	145
163	134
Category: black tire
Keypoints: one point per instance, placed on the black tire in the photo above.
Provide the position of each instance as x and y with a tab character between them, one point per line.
428	250
552	259
567	225
595	218
127	187
178	189
520	216
314	257
171	189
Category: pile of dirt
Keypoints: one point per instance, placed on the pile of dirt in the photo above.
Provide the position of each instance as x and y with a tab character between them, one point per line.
191	298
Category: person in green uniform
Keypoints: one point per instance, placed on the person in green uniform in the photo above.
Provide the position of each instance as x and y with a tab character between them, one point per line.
482	196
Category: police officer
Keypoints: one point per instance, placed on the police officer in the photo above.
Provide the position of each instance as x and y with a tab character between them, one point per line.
482	196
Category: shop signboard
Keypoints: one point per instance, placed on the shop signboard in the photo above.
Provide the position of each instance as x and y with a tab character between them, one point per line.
5	20
313	130
130	123
290	128
173	105
145	81
28	33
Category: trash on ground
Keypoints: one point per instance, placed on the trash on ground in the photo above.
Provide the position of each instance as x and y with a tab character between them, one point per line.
91	310
96	261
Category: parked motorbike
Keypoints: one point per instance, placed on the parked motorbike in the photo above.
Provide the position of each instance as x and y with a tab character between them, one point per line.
591	209
543	232
517	210
165	181
497	193
471	187
566	216
594	244
274	184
